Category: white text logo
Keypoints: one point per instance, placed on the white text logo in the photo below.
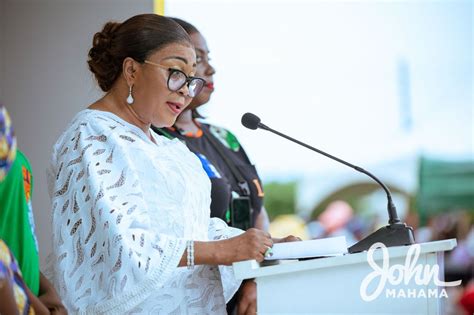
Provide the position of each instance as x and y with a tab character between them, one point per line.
398	274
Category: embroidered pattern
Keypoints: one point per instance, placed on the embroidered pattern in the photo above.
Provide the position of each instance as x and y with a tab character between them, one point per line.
125	209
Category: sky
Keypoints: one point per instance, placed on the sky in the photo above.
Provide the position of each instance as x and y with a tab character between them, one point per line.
367	81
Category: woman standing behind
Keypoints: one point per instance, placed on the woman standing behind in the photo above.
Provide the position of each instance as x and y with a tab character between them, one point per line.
130	207
237	193
233	177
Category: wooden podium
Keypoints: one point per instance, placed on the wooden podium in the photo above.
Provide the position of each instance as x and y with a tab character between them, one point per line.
332	285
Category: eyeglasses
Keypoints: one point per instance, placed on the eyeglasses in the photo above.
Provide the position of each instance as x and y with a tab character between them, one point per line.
177	79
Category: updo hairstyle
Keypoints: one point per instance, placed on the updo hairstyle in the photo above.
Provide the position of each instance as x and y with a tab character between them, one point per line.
137	38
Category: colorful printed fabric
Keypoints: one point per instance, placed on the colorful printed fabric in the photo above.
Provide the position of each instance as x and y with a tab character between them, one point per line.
10	272
226	137
7	143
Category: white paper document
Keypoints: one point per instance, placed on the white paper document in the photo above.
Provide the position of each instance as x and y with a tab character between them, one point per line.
332	246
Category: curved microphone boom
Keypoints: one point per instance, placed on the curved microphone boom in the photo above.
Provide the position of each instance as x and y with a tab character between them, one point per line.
394	234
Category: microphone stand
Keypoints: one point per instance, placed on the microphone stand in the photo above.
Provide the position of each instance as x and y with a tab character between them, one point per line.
395	233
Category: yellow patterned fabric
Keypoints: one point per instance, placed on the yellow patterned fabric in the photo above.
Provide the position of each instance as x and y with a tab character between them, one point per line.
7	143
10	273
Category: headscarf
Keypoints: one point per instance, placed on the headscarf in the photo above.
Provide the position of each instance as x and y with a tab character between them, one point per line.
7	143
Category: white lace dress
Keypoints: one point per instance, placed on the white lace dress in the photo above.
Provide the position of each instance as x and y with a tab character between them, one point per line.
123	208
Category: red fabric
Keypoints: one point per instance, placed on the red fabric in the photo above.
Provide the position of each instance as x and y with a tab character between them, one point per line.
467	300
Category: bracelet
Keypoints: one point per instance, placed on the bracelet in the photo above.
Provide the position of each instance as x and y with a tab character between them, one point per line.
190	252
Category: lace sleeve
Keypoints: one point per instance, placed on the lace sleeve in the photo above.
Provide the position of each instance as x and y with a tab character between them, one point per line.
107	255
219	230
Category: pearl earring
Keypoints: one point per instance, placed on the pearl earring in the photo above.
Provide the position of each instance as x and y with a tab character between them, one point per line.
130	97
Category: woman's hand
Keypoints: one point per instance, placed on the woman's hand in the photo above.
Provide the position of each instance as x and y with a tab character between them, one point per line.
289	238
247	304
50	298
250	245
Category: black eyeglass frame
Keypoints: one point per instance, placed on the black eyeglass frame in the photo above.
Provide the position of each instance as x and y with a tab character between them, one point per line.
187	82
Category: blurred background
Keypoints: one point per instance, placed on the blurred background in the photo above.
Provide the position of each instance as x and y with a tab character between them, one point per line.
385	85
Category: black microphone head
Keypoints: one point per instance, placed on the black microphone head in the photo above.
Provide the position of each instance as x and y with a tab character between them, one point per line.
250	120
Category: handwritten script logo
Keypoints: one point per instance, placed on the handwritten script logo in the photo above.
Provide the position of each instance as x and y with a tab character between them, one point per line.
398	274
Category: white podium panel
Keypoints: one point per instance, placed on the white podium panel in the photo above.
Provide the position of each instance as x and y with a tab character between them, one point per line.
332	285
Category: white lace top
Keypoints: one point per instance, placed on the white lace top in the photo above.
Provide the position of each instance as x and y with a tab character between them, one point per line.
123	208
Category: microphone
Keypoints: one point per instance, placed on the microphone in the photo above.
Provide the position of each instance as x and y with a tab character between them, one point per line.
395	233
